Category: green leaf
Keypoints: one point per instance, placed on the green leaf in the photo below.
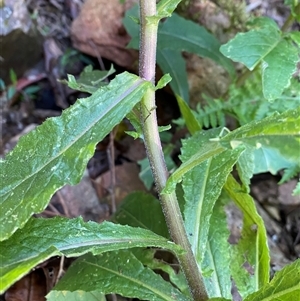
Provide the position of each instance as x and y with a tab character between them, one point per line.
295	8
269	160
179	35
278	68
274	141
202	186
245	167
163	129
75	296
191	122
56	153
132	27
171	61
285	286
292	3
148	216
2	85
31	90
71	237
296	191
146	257
262	22
289	173
246	103
166	78
89	80
183	35
203	153
12	265
295	36
260	43
134	119
278	57
13	76
276	134
166	7
146	173
217	255
11	91
251	261
117	272
213	113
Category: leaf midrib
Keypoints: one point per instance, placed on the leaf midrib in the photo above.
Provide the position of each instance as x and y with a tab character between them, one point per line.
94	243
134	280
186	40
109	108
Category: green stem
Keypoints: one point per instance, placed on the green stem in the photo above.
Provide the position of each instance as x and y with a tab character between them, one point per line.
147	61
291	19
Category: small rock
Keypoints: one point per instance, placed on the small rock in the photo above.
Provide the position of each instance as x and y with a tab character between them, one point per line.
99	31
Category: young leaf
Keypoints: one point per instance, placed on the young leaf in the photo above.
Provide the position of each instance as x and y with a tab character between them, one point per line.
134	119
191	122
148	216
278	57
166	7
215	267
165	79
76	296
89	80
285	286
117	272
56	153
251	261
71	237
171	61
202	186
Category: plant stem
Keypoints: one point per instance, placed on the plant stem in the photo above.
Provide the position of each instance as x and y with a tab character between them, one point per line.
147	61
289	21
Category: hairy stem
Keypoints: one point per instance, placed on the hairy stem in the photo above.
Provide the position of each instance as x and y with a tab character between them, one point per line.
147	60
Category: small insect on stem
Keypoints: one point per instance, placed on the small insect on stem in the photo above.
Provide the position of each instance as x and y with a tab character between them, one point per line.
152	109
221	135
